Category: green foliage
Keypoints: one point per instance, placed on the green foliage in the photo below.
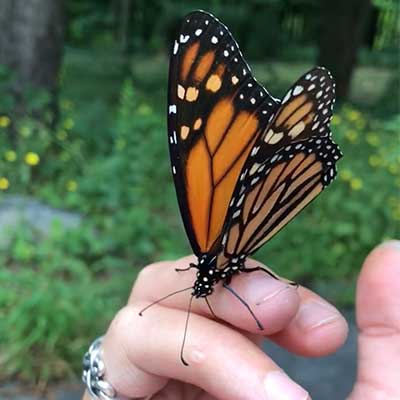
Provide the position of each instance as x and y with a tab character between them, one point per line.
284	25
51	304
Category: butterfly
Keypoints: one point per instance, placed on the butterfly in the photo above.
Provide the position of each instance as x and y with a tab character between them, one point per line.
244	163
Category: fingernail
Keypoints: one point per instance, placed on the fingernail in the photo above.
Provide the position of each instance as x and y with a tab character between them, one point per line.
314	314
279	386
262	289
394	244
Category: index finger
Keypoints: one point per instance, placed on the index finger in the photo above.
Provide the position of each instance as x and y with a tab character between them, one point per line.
273	302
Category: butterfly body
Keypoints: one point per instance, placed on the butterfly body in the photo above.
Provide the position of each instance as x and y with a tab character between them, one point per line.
209	273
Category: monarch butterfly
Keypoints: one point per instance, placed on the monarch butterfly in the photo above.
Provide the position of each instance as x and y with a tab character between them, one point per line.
244	163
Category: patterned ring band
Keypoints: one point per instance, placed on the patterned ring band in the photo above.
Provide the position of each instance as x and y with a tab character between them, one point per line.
93	374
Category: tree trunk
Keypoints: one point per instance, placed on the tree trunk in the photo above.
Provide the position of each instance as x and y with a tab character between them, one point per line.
343	24
31	45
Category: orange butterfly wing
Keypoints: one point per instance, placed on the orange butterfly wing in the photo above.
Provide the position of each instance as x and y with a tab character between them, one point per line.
216	112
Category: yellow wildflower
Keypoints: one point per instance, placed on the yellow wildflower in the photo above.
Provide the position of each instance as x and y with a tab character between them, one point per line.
351	135
393	169
356	184
353	115
32	158
373	139
69	123
360	124
10	155
345	174
4	183
4	121
336	120
144	109
374	160
72	186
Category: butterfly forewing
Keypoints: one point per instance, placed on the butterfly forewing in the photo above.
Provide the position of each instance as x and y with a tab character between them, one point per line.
306	110
216	113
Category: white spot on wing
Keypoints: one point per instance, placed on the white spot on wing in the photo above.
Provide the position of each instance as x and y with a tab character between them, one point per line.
214	40
183	38
236	214
172	109
297	90
176	46
286	98
311	87
255	150
198	32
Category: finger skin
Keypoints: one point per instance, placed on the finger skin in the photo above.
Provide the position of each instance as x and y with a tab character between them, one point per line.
318	329
378	320
279	301
281	313
221	361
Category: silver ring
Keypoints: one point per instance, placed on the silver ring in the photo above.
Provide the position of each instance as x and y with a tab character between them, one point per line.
93	375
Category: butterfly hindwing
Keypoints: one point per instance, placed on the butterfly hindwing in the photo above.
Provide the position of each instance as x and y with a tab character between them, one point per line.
289	165
276	190
216	113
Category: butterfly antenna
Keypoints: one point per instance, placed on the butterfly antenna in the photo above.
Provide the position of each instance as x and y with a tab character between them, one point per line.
163	298
185	332
259	324
210	308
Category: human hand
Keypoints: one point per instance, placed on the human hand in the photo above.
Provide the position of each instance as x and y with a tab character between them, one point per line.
378	320
141	354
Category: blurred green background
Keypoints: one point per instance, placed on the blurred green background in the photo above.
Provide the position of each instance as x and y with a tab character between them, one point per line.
83	128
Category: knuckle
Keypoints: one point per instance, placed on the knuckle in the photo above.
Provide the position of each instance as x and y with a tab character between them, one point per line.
123	320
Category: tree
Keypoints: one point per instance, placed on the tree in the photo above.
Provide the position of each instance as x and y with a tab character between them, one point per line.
343	25
31	45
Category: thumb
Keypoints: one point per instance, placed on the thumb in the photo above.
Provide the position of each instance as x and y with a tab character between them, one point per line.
378	320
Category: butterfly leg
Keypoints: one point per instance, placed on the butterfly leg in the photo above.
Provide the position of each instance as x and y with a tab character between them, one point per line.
248	270
191	266
259	324
210	308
